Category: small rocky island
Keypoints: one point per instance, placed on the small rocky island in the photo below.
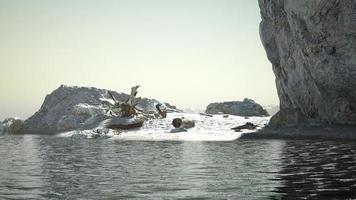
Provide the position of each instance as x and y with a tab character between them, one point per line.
88	112
246	108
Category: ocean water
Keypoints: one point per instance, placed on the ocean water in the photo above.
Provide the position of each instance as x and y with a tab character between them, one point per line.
45	167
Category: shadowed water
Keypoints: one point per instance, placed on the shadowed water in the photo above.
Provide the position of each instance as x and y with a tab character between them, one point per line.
42	167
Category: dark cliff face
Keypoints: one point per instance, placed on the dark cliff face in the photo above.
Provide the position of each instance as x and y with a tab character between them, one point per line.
312	47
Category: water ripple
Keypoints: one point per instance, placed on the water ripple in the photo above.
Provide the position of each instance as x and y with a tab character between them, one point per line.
42	167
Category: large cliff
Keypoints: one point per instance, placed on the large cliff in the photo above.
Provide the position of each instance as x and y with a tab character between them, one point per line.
312	47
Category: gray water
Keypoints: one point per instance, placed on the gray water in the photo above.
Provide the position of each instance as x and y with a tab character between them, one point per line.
43	167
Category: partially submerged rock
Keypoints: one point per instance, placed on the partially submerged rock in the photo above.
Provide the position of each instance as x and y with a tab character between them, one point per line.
247	107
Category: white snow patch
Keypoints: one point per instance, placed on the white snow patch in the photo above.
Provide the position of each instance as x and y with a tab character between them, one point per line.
216	128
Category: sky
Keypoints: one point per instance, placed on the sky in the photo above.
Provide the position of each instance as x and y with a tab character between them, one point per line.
185	52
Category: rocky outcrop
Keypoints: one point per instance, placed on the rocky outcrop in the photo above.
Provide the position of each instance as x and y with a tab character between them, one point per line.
11	126
70	108
271	109
247	107
2	128
288	118
312	47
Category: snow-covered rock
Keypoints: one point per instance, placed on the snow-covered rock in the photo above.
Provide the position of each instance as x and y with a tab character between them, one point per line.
247	107
11	126
215	128
98	133
271	109
70	108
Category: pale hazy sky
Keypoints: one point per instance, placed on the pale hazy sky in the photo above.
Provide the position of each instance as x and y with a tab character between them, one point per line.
186	52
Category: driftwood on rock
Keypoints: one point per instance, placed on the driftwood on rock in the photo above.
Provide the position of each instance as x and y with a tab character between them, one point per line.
126	109
70	108
126	113
131	100
163	113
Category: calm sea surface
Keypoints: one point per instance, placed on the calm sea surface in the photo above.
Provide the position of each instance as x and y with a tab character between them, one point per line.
43	167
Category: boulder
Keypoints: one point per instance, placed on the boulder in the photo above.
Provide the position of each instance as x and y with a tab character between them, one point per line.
183	123
247	107
69	108
291	117
312	47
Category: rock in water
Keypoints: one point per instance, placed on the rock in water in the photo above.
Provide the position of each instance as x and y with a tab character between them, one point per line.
247	107
312	47
2	128
70	108
11	126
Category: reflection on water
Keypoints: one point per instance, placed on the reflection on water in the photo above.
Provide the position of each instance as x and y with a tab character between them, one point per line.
42	167
318	170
